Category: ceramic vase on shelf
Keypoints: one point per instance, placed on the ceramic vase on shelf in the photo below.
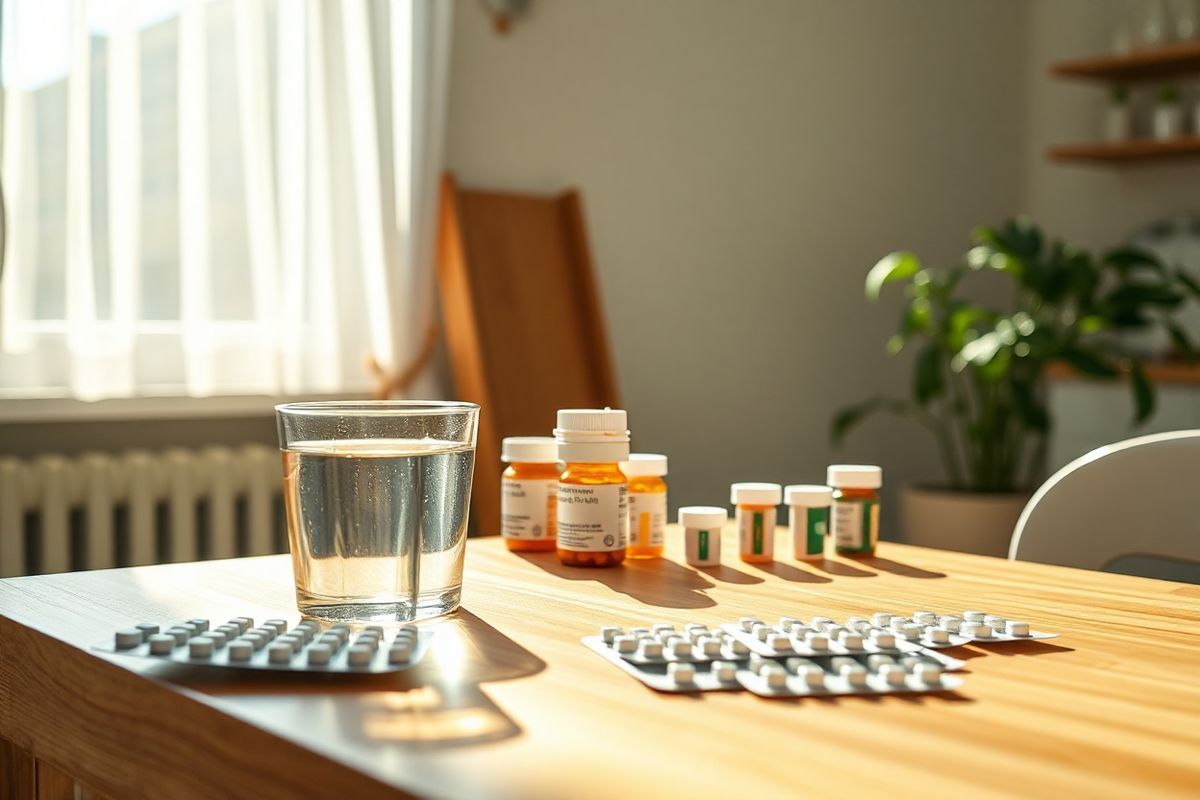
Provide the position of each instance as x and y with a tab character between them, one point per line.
1167	122
1155	30
1185	18
1118	117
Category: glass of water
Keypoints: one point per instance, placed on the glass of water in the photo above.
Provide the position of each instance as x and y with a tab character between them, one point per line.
376	494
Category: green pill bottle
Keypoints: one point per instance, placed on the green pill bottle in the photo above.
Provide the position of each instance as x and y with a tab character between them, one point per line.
855	519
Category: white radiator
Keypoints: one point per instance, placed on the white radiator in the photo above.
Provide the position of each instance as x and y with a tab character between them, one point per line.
104	510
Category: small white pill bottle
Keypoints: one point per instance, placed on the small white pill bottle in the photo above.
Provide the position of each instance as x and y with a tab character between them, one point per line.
702	534
755	512
808	519
529	492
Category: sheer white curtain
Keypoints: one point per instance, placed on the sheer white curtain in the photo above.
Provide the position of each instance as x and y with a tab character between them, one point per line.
217	196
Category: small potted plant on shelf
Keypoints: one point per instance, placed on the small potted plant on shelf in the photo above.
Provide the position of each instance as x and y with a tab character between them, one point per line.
979	374
1168	114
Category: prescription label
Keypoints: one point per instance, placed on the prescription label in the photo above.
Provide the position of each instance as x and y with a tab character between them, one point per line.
592	518
528	508
809	526
856	524
647	516
756	530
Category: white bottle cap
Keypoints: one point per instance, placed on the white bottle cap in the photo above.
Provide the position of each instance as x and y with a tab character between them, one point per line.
703	517
592	435
645	465
854	476
808	495
529	450
755	494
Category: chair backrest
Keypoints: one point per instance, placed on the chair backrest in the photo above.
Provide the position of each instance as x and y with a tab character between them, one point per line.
1133	498
524	328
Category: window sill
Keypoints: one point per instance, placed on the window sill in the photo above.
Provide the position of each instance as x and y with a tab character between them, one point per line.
63	409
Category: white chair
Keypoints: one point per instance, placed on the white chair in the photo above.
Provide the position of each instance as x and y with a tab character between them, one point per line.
1137	498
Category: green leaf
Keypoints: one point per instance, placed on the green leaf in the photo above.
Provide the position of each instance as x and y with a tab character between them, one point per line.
1143	393
849	417
1188	281
928	380
1130	257
1089	363
892	267
1132	295
1181	339
1031	411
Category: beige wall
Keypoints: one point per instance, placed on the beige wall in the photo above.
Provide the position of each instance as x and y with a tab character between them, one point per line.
742	166
1094	206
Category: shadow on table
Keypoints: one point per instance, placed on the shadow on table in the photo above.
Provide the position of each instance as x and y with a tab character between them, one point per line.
897	568
729	575
1033	647
653	581
790	573
437	703
840	568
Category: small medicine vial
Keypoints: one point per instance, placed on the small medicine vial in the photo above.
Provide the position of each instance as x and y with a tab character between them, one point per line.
755	513
647	504
529	492
593	502
855	523
808	519
702	534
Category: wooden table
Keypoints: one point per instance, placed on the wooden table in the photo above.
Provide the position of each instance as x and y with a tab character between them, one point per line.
510	705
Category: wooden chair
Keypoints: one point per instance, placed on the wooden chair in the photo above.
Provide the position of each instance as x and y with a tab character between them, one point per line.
524	328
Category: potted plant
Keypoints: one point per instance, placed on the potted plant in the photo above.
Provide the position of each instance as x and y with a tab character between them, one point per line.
979	372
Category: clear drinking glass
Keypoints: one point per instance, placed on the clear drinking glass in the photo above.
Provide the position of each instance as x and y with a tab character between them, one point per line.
376	494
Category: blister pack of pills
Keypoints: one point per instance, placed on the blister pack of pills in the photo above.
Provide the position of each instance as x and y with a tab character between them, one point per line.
877	673
932	629
307	647
823	636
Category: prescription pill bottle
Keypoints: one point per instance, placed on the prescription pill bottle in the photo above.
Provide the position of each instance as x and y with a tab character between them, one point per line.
702	534
755	514
647	504
855	523
529	492
808	519
593	508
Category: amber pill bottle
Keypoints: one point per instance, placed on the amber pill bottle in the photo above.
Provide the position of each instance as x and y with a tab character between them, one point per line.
529	493
593	493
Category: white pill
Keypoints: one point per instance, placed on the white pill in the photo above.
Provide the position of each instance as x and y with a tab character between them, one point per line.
795	664
1015	628
835	632
610	632
279	653
763	632
266	631
883	639
189	627
924	617
911	631
407	629
366	640
638	631
280	625
747	623
681	672
775	678
813	677
893	674
375	629
786	623
127	638
911	662
200	647
682	649
878	660
230	630
799	631
359	656
399	653
331	640
303	634
256	640
854	674
710	647
994	622
650	649
724	670
937	636
201	624
860	626
659	627
244	623
162	643
218	638
341	629
817	641
974	616
310	623
852	621
896	623
852	641
820	623
881	618
977	630
623	644
928	673
181	635
148	629
291	640
319	654
779	642
951	624
757	662
694	626
240	650
739	648
697	635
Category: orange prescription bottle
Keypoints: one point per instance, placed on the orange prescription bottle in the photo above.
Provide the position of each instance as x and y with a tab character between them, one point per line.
855	518
593	510
755	515
529	492
647	504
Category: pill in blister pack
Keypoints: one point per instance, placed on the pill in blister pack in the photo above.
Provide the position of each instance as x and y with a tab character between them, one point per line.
700	675
306	647
948	630
847	675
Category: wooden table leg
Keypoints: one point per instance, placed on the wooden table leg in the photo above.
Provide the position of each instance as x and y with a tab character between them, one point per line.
53	783
18	776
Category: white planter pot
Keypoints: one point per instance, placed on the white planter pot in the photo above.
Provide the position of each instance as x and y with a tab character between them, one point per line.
1118	123
1168	121
966	521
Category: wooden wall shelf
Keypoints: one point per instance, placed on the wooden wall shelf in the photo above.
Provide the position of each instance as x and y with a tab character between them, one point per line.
1165	371
1135	150
1180	58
